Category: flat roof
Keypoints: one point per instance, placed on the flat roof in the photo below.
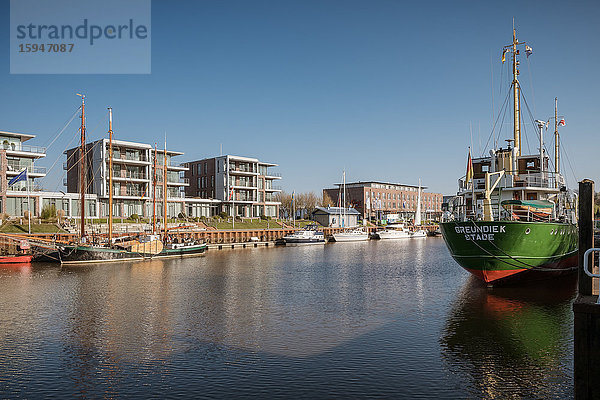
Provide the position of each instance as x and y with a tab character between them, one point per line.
239	158
134	145
24	136
362	184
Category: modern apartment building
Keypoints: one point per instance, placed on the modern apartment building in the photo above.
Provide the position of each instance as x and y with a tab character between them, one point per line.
133	173
14	157
373	199
243	185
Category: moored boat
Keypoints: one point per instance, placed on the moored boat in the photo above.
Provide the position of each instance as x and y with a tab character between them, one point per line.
354	235
349	234
16	259
310	234
419	233
513	219
393	231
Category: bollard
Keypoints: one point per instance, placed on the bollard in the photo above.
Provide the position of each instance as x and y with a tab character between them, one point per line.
586	232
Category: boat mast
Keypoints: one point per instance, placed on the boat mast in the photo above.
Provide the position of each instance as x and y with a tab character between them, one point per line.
110	176
516	94
82	168
165	189
556	139
154	192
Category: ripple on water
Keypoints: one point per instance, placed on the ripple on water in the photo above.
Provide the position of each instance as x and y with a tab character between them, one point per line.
381	318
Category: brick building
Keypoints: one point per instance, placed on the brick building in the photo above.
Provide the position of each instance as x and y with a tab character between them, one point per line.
375	199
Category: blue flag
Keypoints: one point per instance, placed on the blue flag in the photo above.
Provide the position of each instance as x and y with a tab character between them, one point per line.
21	177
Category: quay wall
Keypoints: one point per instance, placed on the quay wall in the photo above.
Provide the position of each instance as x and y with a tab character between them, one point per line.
9	242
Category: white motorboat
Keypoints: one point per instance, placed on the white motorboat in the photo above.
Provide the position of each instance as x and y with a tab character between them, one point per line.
421	233
394	231
354	235
310	234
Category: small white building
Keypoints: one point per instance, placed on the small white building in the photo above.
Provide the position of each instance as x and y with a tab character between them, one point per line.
336	217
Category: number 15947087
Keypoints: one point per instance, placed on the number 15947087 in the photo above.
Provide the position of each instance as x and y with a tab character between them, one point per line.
46	48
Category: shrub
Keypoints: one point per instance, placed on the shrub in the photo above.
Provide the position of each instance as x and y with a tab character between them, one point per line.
223	215
133	217
49	211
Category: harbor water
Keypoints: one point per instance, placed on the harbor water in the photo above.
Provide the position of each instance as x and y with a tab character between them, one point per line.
391	319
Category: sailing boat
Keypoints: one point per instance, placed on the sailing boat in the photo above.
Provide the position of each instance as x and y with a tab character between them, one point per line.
82	251
118	249
419	233
348	235
513	219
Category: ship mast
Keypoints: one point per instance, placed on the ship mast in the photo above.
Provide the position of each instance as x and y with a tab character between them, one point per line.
516	94
165	189
82	169
110	176
556	139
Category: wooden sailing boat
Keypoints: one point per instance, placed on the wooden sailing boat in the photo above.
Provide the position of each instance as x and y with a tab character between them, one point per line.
130	249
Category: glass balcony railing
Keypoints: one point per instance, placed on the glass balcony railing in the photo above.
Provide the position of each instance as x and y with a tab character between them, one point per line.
129	175
23	148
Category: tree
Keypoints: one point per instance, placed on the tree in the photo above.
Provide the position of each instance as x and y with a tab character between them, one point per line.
286	203
326	200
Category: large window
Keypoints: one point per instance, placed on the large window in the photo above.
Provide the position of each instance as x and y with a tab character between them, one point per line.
15	206
60	204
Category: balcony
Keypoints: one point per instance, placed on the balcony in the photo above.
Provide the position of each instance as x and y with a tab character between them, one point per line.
177	166
179	182
130	175
129	159
244	185
14	169
274	175
273	189
23	148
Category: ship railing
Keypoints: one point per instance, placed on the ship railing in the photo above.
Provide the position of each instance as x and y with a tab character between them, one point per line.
586	265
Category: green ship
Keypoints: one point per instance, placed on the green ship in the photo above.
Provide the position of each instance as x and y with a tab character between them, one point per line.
513	218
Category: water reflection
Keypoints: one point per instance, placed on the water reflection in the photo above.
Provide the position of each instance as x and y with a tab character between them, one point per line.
343	320
512	341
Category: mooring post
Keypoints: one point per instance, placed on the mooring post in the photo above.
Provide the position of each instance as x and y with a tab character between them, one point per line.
586	328
586	232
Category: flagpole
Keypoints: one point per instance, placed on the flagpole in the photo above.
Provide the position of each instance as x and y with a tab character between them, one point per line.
28	203
294	208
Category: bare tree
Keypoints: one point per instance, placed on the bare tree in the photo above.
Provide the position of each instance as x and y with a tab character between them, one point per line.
326	200
286	203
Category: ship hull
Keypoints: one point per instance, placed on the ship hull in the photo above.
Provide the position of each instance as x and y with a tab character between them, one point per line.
505	252
88	254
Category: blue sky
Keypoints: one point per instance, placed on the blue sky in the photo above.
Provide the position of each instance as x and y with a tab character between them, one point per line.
384	89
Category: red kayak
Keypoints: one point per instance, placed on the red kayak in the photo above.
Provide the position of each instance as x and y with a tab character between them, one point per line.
15	259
